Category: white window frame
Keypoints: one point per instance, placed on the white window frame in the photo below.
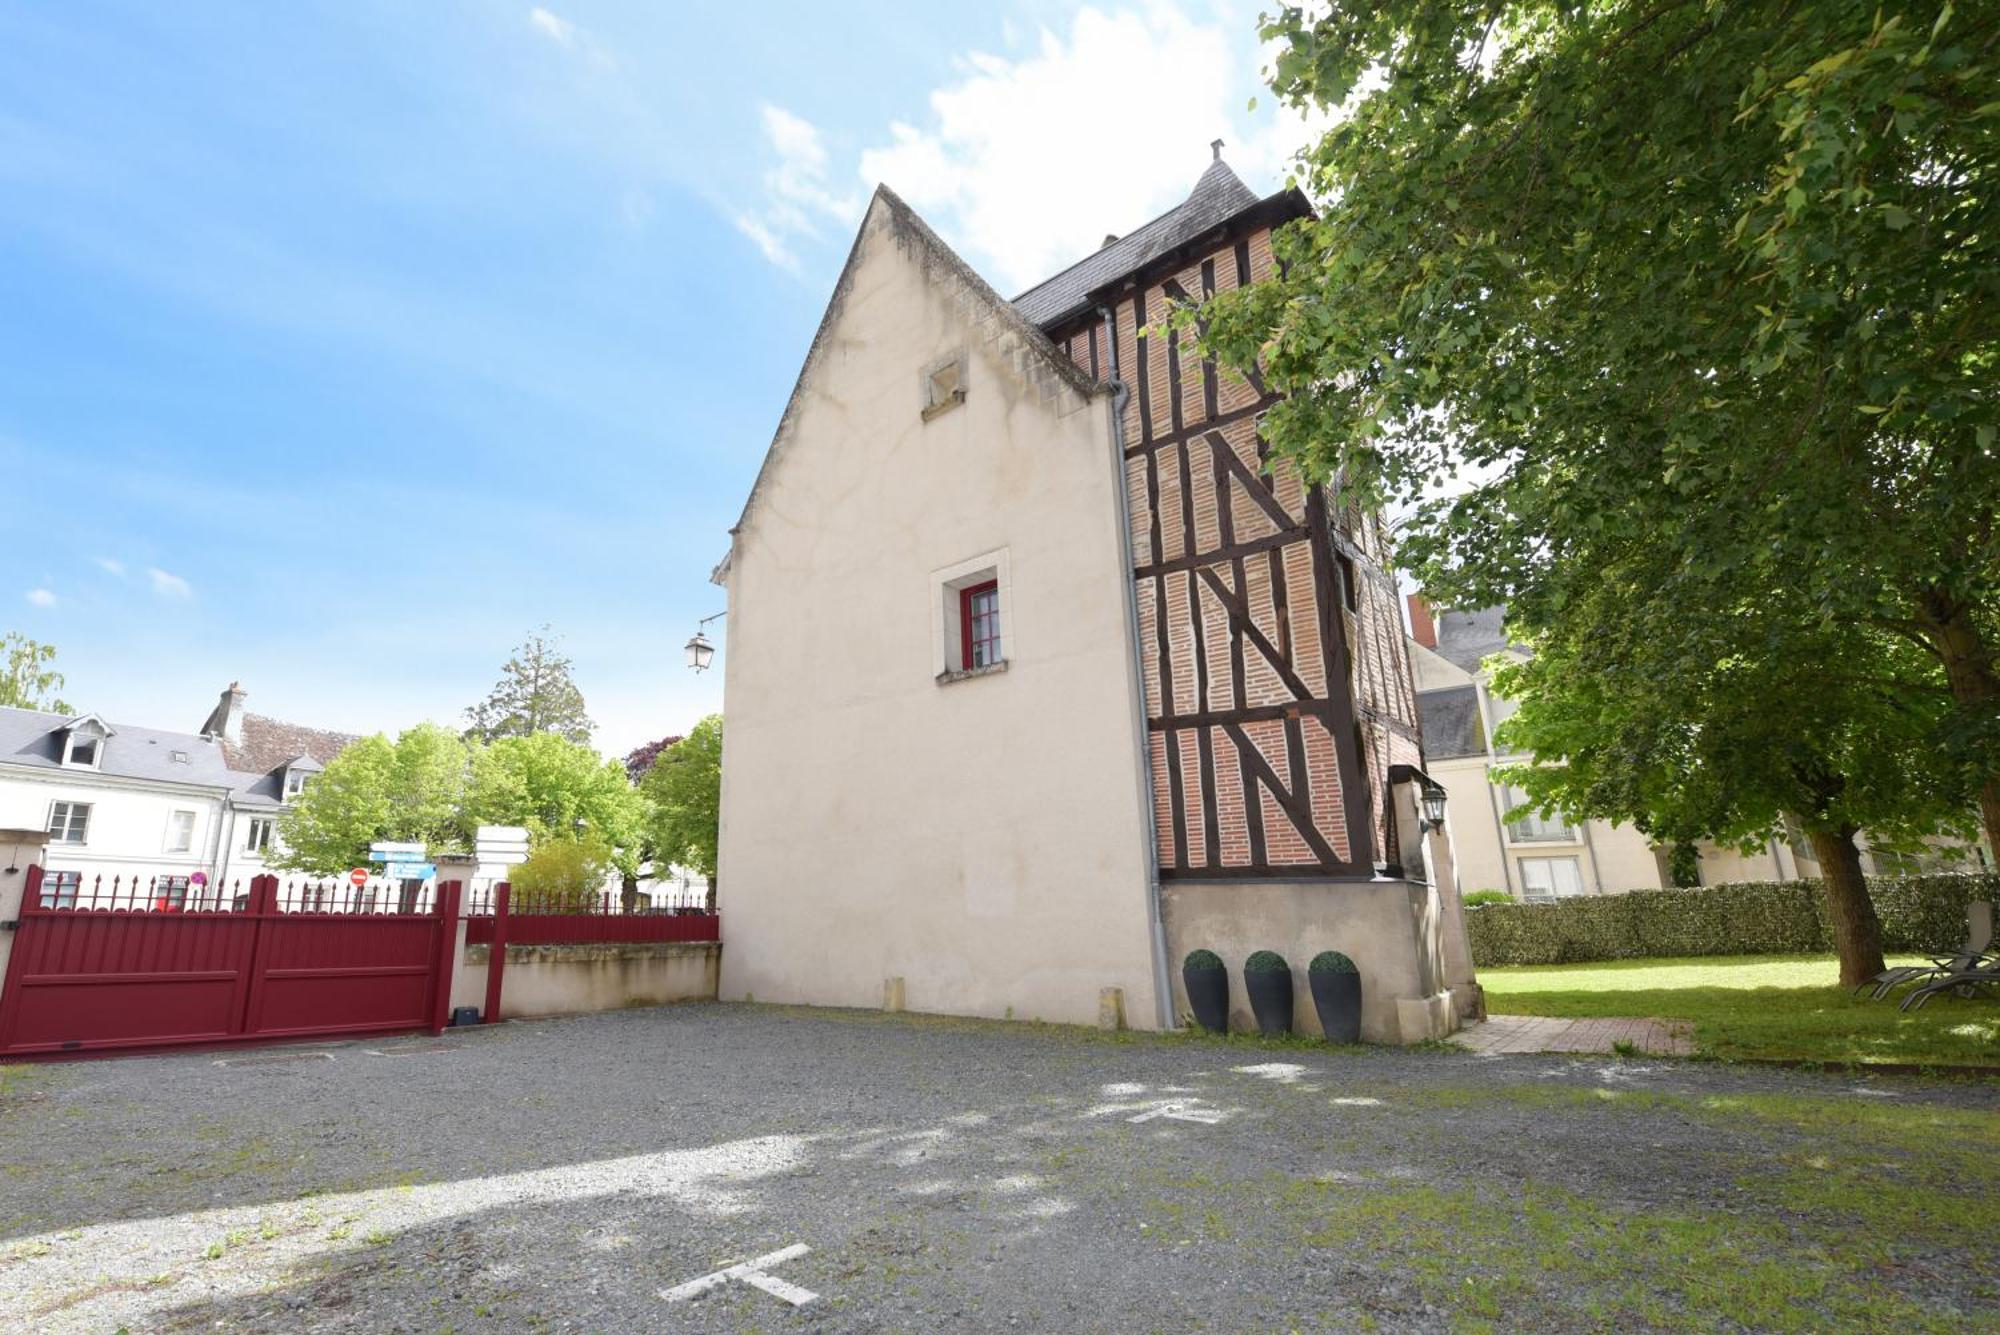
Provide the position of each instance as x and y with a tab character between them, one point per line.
255	825
295	782
69	810
96	744
947	641
1553	893
1532	831
167	843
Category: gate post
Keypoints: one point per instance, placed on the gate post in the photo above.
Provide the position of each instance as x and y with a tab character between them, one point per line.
496	954
447	951
20	890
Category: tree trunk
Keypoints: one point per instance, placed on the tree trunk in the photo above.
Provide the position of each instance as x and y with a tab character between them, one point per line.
1975	685
1857	932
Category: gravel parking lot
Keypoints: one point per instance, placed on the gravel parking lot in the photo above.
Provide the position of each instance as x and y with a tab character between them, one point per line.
562	1175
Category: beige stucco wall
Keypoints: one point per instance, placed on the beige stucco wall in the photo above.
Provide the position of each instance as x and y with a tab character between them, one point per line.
574	979
983	840
1381	925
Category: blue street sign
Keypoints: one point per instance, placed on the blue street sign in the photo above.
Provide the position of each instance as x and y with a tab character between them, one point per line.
411	871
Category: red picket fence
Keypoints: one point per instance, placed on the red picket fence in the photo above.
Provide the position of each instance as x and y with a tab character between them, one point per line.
128	967
497	918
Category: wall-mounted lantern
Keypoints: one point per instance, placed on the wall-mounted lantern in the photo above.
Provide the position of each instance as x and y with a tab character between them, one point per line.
699	651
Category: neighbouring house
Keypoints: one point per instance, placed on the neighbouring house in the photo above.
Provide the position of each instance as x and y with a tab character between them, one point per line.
1498	846
1040	675
186	811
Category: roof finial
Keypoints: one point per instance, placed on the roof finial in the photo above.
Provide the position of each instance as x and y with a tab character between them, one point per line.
1215	145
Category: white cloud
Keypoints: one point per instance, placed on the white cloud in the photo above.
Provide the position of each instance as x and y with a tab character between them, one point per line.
798	198
169	586
42	597
557	29
1026	160
110	565
1067	123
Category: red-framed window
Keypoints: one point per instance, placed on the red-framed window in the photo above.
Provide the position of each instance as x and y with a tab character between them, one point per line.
979	625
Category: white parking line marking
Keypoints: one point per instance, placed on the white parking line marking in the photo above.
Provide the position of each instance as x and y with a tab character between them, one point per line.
1181	1112
751	1272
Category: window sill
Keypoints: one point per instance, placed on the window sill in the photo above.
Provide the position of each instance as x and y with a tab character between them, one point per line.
944	405
950	675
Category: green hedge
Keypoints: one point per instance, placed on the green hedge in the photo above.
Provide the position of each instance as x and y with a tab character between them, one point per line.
1747	918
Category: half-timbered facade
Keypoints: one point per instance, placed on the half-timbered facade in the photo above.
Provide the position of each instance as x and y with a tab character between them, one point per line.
1278	692
1042	672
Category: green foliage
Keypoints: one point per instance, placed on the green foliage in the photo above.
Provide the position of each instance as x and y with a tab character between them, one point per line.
1266	961
563	871
1753	917
1684	864
558	789
1331	961
684	787
27	681
1706	294
1474	898
1202	960
375	789
535	694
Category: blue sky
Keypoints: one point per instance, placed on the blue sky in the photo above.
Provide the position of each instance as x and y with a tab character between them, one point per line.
343	344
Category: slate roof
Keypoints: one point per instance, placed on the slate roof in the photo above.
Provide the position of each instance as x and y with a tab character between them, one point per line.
1450	722
1217	197
34	738
1466	638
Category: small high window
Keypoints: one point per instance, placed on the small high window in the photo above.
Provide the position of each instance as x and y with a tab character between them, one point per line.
81	751
295	783
944	385
69	822
259	838
979	625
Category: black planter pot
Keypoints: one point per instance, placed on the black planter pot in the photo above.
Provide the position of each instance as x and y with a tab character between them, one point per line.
1208	995
1337	998
1271	1000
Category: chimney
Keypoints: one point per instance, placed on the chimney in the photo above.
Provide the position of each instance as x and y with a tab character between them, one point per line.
1110	238
1422	628
226	719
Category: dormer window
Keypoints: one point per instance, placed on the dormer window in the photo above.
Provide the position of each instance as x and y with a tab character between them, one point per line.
83	742
295	783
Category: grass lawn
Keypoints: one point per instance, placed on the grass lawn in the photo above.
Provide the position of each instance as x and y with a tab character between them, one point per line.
1758	1006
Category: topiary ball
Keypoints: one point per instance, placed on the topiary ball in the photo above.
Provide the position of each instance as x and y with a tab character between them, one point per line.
1202	959
1266	961
1332	961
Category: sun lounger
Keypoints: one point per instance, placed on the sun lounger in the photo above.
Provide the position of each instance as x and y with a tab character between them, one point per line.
1976	951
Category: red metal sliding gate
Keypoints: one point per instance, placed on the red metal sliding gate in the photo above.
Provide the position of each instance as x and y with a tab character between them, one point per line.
89	974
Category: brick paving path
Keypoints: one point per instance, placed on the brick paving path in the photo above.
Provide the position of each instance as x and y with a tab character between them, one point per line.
1505	1034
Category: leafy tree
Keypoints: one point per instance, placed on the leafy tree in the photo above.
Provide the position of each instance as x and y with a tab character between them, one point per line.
685	788
374	789
563	871
26	680
641	759
1777	724
558	789
535	694
1722	280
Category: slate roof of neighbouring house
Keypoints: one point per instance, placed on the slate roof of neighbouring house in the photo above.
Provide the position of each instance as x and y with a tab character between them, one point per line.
1468	638
1450	721
33	737
1217	197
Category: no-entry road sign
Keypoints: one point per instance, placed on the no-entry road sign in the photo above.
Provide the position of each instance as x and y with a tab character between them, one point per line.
358	877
